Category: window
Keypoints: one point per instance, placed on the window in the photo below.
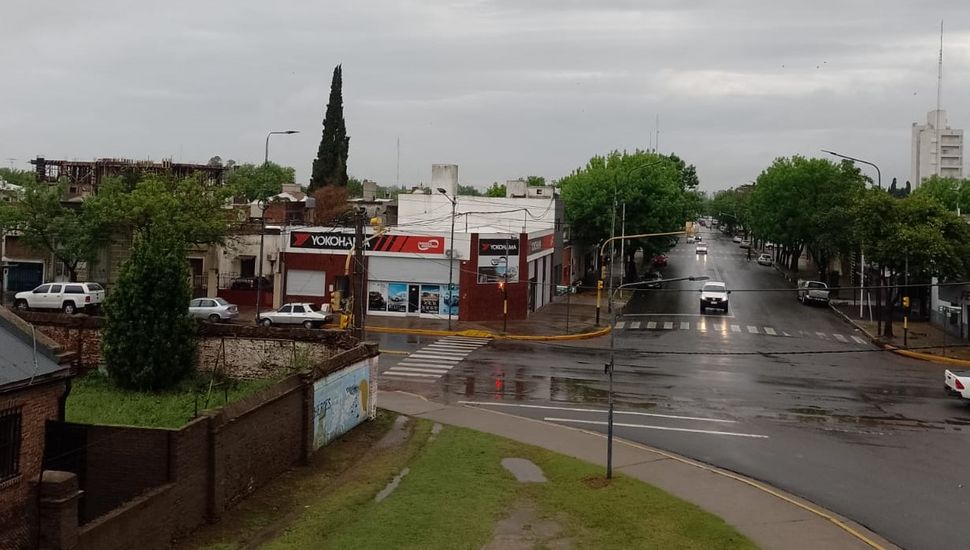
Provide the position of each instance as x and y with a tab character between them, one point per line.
42	289
73	289
56	289
286	309
247	267
195	303
9	443
220	301
298	309
208	303
94	287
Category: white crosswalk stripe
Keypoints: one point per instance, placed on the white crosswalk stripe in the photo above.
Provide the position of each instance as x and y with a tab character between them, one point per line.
771	331
684	325
668	325
840	338
635	325
735	328
703	326
651	325
752	329
858	340
435	359
619	325
821	335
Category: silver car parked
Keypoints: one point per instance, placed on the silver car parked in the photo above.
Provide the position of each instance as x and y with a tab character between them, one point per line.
306	314
214	310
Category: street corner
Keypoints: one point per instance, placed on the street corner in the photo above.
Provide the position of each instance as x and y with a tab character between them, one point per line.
602	331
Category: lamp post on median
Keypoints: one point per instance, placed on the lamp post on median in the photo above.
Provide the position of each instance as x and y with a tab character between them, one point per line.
282	132
451	253
611	364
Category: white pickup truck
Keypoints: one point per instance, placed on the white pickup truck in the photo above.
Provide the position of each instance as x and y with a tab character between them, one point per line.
957	383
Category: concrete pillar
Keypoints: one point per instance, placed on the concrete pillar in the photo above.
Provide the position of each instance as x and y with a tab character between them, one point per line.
212	283
58	515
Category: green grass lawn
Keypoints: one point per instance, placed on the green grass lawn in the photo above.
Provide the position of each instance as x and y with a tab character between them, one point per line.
95	400
457	490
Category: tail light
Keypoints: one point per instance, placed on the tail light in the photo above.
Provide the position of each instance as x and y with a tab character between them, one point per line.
87	299
958	384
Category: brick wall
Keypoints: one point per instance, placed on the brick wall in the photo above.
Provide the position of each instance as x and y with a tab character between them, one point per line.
17	498
194	474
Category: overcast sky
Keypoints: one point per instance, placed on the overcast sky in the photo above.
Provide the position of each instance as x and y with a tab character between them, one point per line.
502	88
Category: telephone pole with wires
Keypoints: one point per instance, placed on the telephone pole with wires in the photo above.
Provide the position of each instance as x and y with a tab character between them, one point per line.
359	280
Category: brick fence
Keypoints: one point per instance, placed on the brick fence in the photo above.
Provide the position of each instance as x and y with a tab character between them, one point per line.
131	487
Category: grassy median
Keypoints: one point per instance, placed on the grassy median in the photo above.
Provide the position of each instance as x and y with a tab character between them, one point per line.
456	492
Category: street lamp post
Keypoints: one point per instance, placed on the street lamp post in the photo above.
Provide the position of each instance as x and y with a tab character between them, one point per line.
853	159
263	205
282	132
451	255
602	251
612	363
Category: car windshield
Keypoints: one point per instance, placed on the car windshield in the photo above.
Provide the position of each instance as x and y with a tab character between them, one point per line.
711	287
815	284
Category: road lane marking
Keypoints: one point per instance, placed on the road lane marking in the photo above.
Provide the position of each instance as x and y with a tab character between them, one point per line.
771	331
454	346
649	427
395	352
392	372
435	358
603	411
840	338
717	326
476	341
786	334
651	325
735	328
407	363
821	335
752	329
452	351
858	340
684	325
635	325
668	325
718	315
439	372
620	325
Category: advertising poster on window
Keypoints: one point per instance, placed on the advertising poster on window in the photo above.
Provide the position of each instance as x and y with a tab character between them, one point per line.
377	296
430	298
397	297
498	260
449	300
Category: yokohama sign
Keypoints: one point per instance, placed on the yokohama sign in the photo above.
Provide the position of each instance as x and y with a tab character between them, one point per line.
403	244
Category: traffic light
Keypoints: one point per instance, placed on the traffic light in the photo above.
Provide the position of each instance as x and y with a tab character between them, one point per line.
599	284
906	302
501	285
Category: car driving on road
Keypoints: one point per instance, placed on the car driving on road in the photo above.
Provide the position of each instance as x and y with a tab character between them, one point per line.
714	295
815	292
737	238
764	259
701	248
306	314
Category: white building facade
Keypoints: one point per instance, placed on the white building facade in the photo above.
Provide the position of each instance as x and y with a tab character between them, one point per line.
937	149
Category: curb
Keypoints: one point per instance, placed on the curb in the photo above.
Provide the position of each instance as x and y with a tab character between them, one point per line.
929	357
486	334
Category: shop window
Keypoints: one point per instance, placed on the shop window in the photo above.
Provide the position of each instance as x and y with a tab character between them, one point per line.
10	420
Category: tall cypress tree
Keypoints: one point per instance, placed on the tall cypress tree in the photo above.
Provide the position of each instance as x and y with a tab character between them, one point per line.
330	166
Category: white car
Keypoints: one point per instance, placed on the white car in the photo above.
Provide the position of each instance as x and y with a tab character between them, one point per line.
714	295
701	248
956	383
737	238
745	244
67	297
306	314
215	310
764	259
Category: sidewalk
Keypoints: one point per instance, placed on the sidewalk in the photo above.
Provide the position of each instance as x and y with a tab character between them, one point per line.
928	338
769	517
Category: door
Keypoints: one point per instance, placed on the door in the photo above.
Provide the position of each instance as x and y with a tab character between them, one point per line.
53	298
414	298
198	277
23	276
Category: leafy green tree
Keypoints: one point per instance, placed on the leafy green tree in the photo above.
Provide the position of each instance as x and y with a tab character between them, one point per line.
251	182
535	181
496	190
330	166
17	177
804	203
658	197
952	193
72	236
469	191
355	188
148	342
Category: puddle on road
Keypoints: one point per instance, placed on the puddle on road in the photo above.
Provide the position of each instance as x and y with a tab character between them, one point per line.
819	416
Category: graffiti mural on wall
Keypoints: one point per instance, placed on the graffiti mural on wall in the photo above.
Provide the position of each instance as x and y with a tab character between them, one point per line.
342	401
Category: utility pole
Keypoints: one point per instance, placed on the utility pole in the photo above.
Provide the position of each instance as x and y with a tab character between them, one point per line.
360	276
623	244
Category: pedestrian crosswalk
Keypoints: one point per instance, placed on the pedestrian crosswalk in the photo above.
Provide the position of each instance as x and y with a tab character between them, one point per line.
735	328
435	359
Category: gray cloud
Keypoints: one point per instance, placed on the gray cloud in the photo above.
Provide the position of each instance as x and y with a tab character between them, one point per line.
503	88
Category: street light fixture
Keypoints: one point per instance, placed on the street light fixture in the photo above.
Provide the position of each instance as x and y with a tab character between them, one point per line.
853	159
282	132
451	254
609	367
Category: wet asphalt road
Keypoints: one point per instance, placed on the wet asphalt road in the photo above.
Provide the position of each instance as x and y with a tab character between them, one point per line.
775	390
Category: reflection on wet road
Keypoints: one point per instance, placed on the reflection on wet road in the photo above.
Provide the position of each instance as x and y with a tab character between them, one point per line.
860	431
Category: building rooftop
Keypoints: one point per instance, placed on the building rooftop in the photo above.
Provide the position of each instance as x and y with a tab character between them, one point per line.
20	365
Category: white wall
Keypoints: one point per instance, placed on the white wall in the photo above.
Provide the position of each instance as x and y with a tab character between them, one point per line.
477	214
